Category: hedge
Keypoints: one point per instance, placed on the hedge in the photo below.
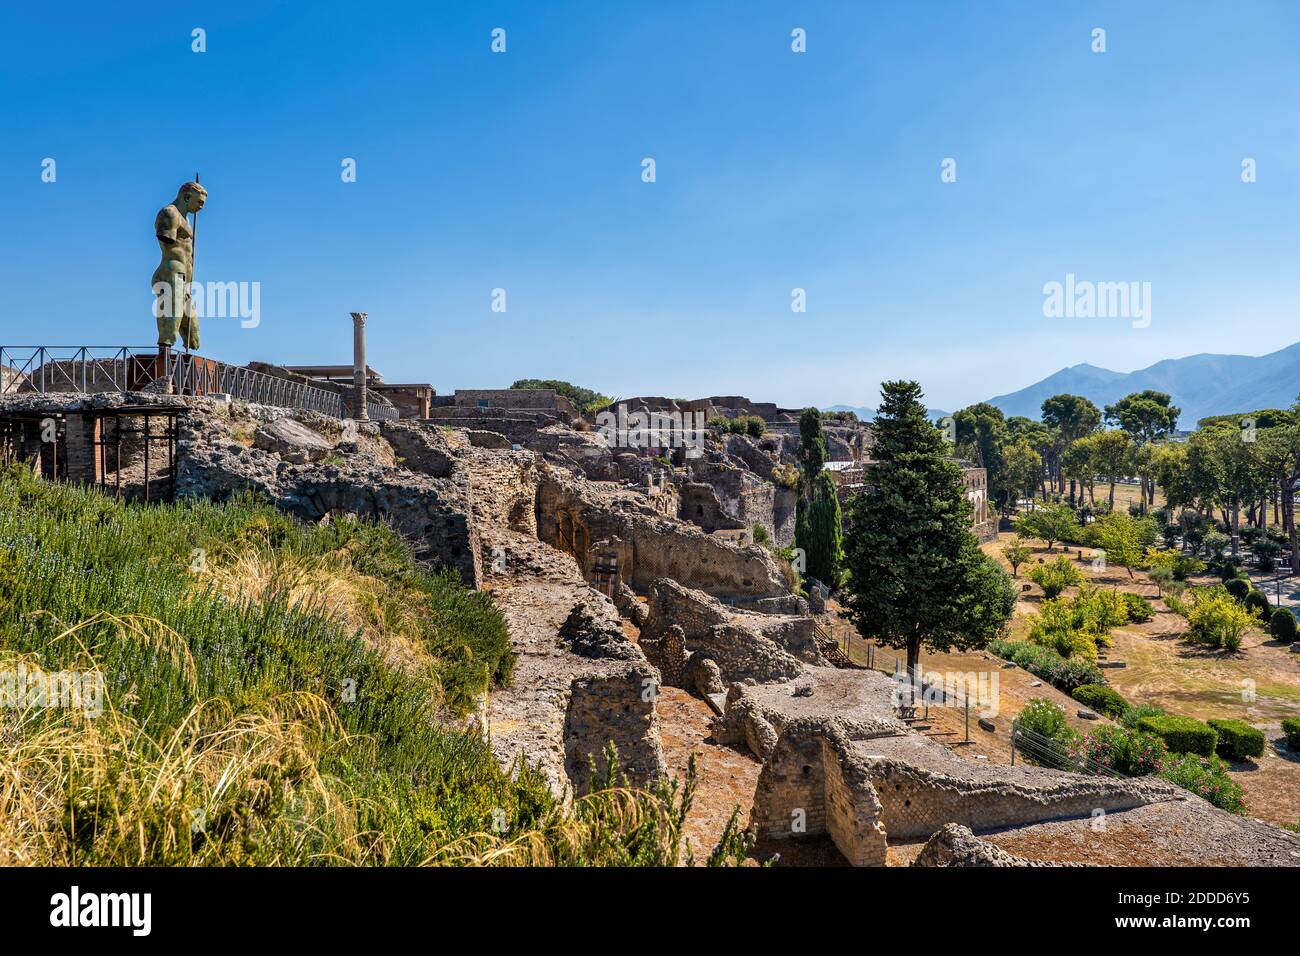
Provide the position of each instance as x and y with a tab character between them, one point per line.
1238	740
1257	603
1291	727
1237	588
1101	698
1282	625
1184	735
1044	662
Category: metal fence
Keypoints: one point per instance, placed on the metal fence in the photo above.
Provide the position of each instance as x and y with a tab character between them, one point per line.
42	369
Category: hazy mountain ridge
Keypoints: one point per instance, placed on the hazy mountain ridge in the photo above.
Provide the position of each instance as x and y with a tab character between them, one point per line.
867	414
1201	385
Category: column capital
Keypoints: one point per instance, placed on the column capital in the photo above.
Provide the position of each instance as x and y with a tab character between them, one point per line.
359	318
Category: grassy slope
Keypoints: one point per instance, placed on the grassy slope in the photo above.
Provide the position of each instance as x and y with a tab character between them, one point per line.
276	693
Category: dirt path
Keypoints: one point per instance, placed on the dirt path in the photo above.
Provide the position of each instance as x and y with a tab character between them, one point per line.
727	777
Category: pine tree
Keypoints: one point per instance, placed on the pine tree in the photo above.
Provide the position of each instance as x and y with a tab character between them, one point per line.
916	574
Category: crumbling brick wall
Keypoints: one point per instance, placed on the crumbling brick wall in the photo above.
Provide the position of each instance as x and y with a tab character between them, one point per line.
814	783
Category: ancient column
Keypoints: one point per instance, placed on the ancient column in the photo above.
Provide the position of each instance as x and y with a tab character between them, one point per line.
359	411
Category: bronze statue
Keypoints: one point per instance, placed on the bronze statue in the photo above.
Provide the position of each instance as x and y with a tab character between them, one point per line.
171	280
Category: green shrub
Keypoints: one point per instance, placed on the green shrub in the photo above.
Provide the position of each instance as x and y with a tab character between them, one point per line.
1133	715
1042	717
1050	666
1043	735
1104	700
1055	577
1206	777
1187	566
1139	608
1215	618
1282	625
254	687
1291	727
1237	587
1257	604
1125	752
1238	740
1182	734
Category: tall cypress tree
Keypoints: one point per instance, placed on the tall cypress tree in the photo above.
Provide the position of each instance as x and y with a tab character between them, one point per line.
916	574
817	516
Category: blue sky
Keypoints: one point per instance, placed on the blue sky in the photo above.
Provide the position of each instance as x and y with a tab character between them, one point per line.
775	170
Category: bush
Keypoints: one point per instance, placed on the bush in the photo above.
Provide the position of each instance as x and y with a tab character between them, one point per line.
1206	777
1216	618
1041	716
1257	604
1182	734
1125	752
1050	666
1237	739
1043	735
1103	699
1055	577
1131	717
1237	587
1139	608
1291	727
1282	625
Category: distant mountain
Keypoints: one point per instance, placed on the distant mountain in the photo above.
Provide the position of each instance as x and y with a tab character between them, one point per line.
866	414
1201	385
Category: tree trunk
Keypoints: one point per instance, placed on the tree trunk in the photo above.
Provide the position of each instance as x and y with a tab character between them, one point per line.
1236	525
1288	521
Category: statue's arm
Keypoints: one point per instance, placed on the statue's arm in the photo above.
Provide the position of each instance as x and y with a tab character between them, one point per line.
166	225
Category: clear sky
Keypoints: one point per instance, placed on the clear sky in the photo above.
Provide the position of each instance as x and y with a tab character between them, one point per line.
775	170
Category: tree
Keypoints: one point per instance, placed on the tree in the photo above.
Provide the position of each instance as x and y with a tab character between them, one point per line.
1109	452
1039	437
1017	553
1145	417
1050	523
585	399
916	574
1125	540
817	526
981	432
1071	417
1077	465
1022	470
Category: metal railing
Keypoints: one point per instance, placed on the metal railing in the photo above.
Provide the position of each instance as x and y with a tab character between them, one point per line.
42	369
83	368
1050	752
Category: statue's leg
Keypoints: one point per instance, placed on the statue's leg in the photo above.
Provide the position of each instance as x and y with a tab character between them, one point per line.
190	326
168	309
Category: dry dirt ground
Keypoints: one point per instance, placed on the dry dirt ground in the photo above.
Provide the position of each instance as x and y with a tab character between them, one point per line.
1260	684
727	777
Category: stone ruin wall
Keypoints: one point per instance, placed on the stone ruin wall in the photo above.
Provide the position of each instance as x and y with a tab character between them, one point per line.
915	803
810	785
649	546
818	766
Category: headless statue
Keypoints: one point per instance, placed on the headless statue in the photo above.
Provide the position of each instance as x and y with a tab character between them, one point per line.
171	280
